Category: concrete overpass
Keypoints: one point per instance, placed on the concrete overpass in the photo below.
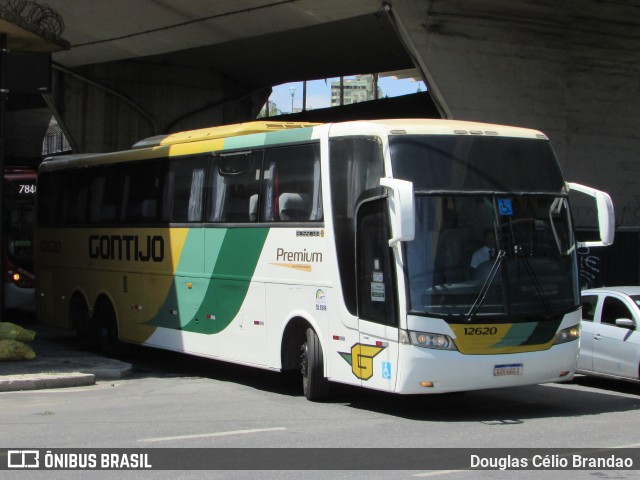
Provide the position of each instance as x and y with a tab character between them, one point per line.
137	68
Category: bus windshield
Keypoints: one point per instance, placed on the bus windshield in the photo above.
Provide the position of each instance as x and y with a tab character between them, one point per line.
479	255
493	230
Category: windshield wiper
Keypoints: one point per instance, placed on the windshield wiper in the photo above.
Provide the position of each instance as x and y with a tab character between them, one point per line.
488	281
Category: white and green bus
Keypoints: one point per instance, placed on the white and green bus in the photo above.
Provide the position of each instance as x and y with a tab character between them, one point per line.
343	251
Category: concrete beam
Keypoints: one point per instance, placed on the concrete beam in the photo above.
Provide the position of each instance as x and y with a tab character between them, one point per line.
111	106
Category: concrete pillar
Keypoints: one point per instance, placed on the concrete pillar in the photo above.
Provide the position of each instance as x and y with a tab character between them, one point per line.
24	133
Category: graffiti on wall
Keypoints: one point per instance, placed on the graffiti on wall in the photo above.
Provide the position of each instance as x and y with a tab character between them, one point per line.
589	268
629	215
586	216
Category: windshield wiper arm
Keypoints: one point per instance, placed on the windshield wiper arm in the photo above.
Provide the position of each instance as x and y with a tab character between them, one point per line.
488	281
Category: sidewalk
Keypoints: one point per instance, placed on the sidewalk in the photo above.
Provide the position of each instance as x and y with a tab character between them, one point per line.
58	362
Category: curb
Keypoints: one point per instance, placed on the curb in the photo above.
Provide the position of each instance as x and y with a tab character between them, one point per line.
12	383
54	372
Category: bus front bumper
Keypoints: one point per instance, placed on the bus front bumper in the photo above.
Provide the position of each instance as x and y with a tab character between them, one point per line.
431	371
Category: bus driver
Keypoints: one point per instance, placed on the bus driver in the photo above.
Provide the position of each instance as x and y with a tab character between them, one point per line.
486	252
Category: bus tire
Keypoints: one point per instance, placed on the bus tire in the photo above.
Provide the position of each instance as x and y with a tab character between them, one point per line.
85	327
314	384
105	319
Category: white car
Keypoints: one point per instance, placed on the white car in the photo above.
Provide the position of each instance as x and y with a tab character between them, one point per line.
610	340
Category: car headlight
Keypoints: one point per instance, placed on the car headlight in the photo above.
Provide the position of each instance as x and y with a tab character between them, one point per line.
436	341
567	335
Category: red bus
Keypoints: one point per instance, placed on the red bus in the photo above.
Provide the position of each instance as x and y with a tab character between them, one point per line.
18	218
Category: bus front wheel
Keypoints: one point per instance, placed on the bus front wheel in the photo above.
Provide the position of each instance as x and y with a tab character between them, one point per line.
314	383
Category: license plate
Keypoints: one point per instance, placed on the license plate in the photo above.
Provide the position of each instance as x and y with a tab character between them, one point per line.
510	369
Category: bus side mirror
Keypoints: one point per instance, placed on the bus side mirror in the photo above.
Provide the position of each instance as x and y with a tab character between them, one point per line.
401	206
606	216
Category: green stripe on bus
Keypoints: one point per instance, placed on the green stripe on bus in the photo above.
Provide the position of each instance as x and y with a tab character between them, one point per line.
271	138
517	335
544	332
226	290
530	333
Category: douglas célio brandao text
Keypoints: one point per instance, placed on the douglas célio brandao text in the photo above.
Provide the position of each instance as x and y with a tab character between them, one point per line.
569	462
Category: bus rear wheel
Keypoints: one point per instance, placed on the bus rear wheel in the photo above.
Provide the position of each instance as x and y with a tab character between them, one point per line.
314	384
86	329
105	318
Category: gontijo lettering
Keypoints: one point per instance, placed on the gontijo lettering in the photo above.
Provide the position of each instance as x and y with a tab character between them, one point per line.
127	247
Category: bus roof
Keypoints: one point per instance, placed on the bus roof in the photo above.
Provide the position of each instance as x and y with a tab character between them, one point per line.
252	134
224	131
433	126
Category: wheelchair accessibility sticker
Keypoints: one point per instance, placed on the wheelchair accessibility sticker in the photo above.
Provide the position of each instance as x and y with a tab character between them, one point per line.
504	207
386	370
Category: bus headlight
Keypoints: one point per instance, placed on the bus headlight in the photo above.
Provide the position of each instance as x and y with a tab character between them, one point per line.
567	335
436	341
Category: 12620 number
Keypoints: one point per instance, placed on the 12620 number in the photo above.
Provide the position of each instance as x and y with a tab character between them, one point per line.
480	330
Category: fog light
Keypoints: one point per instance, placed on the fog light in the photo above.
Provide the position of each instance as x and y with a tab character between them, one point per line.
16	277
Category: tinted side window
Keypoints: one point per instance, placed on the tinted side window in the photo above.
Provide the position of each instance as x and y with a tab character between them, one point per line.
183	192
74	197
105	195
292	187
589	303
51	188
234	187
142	192
612	309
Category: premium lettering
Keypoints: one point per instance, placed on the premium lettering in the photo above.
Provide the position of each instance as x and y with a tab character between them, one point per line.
127	247
309	257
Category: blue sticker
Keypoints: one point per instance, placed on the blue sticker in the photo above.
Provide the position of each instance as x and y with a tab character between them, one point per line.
504	207
386	370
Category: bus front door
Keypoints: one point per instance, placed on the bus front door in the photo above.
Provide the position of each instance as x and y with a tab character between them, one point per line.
375	357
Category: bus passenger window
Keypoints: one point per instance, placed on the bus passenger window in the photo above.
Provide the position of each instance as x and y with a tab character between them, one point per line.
51	186
105	196
75	194
143	190
182	197
234	186
292	188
